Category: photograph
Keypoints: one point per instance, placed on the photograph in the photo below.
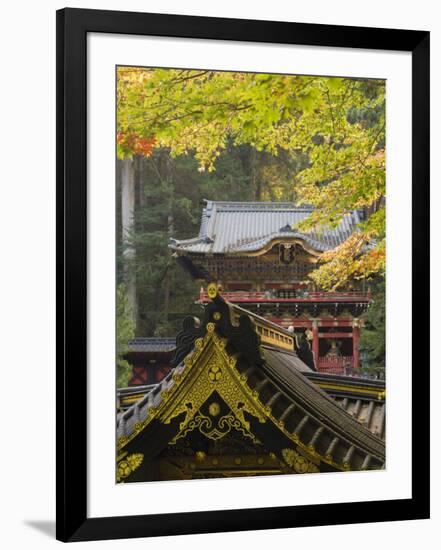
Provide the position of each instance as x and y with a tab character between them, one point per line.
250	274
216	285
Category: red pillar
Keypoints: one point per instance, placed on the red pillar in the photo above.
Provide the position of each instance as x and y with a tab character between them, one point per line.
315	344
355	342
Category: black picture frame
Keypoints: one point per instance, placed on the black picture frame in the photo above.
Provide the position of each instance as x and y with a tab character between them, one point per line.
73	25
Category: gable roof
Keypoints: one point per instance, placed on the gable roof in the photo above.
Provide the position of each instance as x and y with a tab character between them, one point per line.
266	390
244	227
362	398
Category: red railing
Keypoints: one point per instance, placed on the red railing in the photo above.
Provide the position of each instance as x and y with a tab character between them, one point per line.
352	295
243	296
335	365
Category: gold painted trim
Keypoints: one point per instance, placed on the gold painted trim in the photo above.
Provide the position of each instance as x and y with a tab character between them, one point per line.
273	242
207	369
130	400
269	332
352	389
127	464
260	252
274	337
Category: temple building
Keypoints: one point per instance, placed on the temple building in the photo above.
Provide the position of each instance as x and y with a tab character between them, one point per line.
150	359
260	385
256	254
240	401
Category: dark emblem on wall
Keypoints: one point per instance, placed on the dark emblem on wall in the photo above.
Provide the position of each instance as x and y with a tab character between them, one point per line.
287	253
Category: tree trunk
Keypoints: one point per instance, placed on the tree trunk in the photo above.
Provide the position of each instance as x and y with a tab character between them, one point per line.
255	176
127	221
170	231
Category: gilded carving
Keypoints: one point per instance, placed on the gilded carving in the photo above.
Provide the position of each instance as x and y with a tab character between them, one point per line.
212	290
211	369
298	462
212	430
208	369
215	373
127	464
214	409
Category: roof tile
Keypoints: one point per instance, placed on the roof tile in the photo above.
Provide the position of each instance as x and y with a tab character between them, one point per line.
240	227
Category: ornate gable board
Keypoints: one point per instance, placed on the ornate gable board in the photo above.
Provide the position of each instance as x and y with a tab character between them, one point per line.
224	367
208	371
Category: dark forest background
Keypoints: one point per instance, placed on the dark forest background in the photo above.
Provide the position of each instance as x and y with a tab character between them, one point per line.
169	195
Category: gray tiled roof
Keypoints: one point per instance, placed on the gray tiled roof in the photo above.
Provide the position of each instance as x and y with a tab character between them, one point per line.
240	227
152	344
368	412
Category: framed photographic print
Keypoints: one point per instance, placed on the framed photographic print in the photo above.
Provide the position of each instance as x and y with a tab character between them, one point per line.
242	284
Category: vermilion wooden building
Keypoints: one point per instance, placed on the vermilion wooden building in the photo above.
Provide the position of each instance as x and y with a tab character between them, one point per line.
254	252
150	359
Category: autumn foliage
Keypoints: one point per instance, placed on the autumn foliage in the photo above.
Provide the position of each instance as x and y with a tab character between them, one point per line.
130	144
336	124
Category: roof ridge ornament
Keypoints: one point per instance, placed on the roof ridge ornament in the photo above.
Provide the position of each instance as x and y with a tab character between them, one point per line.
286	228
230	322
244	331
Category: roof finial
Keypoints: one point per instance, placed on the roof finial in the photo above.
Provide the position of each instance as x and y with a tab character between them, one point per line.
212	291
